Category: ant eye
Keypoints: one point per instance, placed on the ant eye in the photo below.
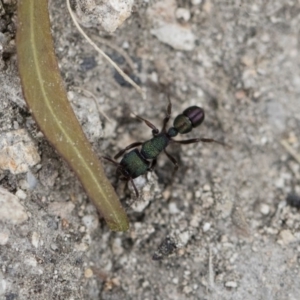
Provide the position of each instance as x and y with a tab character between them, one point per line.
195	114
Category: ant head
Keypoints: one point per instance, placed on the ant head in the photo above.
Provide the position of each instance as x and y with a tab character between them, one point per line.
191	117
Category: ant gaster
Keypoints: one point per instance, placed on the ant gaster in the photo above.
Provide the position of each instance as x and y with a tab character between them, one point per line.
138	162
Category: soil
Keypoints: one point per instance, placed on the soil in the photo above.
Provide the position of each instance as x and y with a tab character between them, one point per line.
227	225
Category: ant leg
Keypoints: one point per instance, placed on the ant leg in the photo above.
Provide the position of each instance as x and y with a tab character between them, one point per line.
133	145
135	189
191	141
167	117
153	164
173	160
111	160
155	131
126	186
116	164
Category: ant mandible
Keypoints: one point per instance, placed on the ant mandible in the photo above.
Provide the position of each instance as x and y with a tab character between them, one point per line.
136	162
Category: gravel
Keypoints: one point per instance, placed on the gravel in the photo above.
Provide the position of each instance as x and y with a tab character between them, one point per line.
227	225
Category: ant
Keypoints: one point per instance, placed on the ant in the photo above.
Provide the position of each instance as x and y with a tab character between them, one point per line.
138	162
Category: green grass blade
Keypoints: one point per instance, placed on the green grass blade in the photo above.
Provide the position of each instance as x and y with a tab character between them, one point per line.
46	97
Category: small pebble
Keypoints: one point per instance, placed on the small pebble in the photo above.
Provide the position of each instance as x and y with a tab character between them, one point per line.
184	238
81	247
207	202
196	2
21	194
187	289
240	94
195	220
183	14
4	236
11	209
173	209
231	284
4	286
88	273
65	223
206	188
31	180
206	227
91	222
54	247
263	140
139	206
125	45
108	14
35	239
154	77
30	261
265	209
87	239
239	220
117	246
62	209
176	36
16	125
198	194
82	229
116	282
286	237
17	151
167	29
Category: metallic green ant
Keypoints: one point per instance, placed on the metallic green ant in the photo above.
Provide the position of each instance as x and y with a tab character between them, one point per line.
136	162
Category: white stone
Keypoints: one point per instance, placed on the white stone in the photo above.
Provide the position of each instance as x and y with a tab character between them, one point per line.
173	209
231	284
88	273
11	209
17	151
286	237
166	27
196	2
110	14
183	238
198	194
206	188
195	220
117	246
183	14
176	36
4	236
31	180
35	239
61	209
91	222
125	45
30	261
3	285
264	209
206	227
21	194
81	247
139	204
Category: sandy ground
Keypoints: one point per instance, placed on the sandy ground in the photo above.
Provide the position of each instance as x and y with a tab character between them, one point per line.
222	228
